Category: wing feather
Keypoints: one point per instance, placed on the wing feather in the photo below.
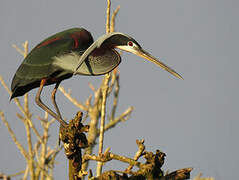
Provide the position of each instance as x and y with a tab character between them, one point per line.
38	64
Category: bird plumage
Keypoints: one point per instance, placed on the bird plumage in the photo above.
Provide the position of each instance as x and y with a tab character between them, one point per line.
56	59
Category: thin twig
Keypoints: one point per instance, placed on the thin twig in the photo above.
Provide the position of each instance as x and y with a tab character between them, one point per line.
102	122
44	147
25	173
116	97
111	156
3	176
25	47
138	154
71	99
92	134
20	147
30	151
17	102
112	23
108	16
103	109
36	148
25	52
46	115
51	158
114	75
123	117
18	49
26	104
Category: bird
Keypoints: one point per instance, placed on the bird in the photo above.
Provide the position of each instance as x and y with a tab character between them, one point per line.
73	52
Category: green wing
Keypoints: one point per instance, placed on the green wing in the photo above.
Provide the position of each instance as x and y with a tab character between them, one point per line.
38	63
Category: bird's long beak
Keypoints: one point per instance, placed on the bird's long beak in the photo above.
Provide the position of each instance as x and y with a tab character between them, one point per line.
144	54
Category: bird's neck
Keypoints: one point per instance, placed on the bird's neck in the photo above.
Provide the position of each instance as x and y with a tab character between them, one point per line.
100	51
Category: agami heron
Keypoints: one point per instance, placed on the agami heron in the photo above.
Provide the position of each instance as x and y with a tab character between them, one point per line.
70	52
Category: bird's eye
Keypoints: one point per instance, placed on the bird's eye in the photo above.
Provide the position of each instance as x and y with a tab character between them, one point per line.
130	43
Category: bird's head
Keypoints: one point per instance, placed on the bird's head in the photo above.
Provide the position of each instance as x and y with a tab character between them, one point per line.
126	43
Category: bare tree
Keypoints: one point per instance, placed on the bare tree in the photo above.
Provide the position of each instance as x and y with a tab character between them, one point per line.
79	140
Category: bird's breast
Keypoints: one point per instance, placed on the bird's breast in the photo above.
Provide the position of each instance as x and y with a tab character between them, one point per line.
100	61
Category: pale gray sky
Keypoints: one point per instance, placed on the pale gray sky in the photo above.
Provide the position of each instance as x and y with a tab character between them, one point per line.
194	121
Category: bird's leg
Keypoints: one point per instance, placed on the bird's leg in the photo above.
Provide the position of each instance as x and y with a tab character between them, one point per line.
44	107
53	98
